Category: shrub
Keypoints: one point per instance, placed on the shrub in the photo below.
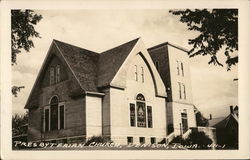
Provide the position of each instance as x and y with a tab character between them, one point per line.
199	138
98	139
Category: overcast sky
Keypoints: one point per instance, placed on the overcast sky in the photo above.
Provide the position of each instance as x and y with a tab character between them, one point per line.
98	30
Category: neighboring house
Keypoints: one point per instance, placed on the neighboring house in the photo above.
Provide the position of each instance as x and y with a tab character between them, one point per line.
227	128
117	93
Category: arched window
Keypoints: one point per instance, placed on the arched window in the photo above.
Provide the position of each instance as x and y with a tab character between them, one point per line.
143	116
141	110
54	113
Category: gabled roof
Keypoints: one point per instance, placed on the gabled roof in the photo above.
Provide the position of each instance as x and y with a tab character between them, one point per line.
221	122
111	60
84	64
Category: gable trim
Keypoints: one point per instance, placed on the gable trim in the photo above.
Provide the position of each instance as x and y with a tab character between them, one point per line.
125	60
69	66
39	74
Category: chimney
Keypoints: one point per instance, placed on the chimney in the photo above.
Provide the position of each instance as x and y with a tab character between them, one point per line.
231	109
210	116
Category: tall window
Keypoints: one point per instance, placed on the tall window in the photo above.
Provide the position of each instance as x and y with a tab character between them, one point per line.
61	117
149	112
54	116
132	114
140	115
57	73
54	113
141	111
179	85
136	74
184	121
52	75
178	68
46	119
184	91
142	74
182	69
157	65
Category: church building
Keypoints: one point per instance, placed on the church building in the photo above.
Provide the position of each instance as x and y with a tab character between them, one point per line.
130	93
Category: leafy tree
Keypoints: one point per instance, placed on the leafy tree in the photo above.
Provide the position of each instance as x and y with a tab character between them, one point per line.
18	124
218	29
22	32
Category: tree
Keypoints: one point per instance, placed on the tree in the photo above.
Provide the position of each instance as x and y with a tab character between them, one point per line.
22	32
218	29
201	120
18	124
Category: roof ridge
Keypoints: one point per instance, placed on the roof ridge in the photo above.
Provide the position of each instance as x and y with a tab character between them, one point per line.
75	46
106	51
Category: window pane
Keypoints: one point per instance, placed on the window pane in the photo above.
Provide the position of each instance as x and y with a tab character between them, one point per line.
136	76
153	140
141	114
150	119
140	97
130	140
142	74
52	75
182	69
142	140
179	84
178	69
132	114
61	117
184	122
54	117
57	73
46	120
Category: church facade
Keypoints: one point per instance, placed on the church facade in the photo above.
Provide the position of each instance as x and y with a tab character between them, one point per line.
129	93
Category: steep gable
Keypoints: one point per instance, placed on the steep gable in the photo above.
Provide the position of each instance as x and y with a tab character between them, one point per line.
111	60
84	64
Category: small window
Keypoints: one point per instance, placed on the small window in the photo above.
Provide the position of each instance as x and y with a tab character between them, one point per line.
57	73
157	65
153	140
142	140
179	85
130	140
136	74
132	115
142	74
52	74
182	69
178	68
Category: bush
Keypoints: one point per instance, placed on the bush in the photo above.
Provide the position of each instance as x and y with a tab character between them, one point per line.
199	138
98	139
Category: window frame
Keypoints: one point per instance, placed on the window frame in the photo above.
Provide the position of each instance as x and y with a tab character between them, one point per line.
184	91
143	140
130	138
180	92
184	118
178	67
142	74
58	73
136	73
182	69
52	75
48	107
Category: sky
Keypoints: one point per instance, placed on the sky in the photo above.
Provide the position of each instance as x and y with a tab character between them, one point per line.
213	87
